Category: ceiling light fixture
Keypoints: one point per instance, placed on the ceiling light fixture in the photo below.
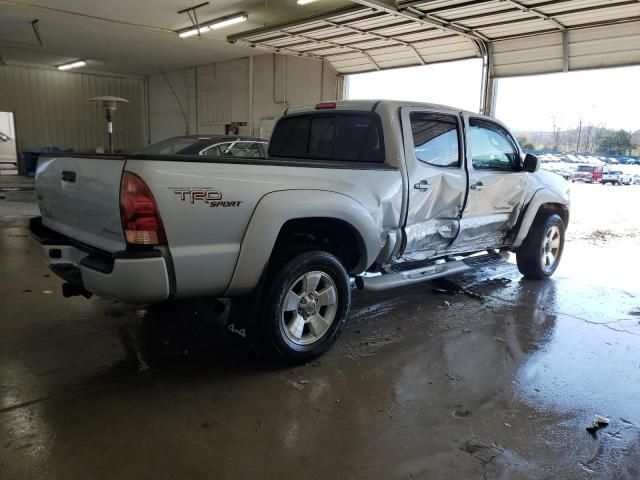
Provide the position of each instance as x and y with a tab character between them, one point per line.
69	66
304	2
213	25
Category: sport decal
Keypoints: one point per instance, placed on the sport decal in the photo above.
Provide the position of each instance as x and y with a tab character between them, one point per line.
211	197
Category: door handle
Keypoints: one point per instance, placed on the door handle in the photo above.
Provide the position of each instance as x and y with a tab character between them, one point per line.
477	186
422	185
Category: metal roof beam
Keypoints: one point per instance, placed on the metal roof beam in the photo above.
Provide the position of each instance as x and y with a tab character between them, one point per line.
479	41
397	42
370	49
449	24
419	16
536	12
581	26
334	44
557	14
303	21
471	3
278	34
420	3
379	30
379	36
495	13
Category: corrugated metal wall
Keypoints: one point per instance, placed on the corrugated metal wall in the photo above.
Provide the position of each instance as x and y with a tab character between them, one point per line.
52	108
597	47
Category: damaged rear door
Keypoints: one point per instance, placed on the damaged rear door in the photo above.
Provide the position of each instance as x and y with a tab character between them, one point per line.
437	182
496	186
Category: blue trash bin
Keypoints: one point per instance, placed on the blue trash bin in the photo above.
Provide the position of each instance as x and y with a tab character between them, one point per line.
30	159
29	163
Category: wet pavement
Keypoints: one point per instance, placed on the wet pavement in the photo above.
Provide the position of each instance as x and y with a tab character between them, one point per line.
420	385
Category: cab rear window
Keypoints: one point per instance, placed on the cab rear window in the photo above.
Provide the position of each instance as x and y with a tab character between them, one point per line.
346	137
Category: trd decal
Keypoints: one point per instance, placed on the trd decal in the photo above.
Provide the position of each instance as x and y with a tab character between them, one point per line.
111	232
213	198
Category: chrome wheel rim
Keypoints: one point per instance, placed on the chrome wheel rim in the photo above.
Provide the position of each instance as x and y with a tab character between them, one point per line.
309	308
550	248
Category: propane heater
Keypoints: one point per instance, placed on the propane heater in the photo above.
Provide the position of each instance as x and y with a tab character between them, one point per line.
110	105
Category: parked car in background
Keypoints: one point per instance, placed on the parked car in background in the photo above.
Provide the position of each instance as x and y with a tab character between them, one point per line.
222	146
616	177
636	179
587	174
563	172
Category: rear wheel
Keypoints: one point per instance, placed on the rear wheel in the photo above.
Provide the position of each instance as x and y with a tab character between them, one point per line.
540	253
306	305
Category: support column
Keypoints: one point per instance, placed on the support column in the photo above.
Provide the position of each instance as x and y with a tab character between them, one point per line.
565	51
251	87
340	87
489	84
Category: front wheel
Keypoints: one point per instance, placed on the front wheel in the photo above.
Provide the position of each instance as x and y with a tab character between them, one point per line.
540	253
307	304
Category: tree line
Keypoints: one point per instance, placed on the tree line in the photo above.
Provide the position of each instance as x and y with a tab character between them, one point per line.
583	139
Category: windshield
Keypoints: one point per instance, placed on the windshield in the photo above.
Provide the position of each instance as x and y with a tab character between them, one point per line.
170	146
584	168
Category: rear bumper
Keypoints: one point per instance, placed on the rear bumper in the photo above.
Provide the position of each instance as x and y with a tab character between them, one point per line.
137	276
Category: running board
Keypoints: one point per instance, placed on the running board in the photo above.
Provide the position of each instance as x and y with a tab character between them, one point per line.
385	281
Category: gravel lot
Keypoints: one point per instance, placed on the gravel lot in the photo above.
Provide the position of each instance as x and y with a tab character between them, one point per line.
604	212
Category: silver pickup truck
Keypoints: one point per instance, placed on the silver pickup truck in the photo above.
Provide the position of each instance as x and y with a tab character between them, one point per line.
387	193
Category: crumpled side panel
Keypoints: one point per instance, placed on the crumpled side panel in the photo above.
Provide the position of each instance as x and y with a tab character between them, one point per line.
433	223
490	213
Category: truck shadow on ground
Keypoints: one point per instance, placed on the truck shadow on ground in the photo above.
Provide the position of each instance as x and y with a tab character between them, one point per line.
196	337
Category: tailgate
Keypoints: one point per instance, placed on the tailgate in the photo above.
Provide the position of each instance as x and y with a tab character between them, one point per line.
80	197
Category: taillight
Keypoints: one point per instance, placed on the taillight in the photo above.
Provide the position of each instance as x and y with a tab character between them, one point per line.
325	105
140	219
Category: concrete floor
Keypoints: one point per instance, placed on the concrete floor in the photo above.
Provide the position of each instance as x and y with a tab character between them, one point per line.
420	386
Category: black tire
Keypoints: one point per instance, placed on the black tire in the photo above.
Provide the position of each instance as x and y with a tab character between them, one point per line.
285	278
531	256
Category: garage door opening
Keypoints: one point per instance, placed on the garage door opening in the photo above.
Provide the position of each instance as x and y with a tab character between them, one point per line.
8	149
453	83
585	127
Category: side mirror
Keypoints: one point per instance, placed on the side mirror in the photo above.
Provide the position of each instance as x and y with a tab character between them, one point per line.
531	163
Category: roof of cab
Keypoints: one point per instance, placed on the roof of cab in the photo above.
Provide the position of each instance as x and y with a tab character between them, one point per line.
220	137
372	105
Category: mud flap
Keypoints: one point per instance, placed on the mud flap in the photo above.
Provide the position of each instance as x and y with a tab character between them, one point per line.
241	324
244	320
182	330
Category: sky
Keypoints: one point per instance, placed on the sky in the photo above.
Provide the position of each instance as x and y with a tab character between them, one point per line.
606	97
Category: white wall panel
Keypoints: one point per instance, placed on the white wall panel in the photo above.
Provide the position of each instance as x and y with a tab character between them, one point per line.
222	94
172	109
52	108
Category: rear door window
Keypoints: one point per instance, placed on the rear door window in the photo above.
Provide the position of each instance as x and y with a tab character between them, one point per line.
347	137
435	139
